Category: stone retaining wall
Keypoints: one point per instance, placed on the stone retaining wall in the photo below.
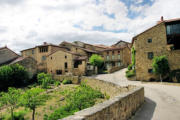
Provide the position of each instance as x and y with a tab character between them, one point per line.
120	107
74	79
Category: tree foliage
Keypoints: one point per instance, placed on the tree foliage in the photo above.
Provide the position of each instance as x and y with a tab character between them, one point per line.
160	66
11	99
96	60
44	80
13	76
33	98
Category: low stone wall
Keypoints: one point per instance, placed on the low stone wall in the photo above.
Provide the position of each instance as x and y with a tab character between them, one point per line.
74	79
120	107
114	69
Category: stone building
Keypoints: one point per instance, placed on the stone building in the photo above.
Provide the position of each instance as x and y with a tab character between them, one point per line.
7	56
39	53
66	62
117	57
161	39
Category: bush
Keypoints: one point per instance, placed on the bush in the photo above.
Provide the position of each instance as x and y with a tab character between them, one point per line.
130	67
57	83
13	76
67	82
17	116
96	60
44	80
130	73
83	97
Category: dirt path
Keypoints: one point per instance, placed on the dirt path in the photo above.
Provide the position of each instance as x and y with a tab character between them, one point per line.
162	102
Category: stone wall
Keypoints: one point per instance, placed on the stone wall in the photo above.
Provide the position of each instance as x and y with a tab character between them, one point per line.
74	79
114	69
119	107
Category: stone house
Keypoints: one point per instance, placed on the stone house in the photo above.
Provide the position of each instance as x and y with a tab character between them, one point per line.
7	56
116	57
39	53
161	39
66	62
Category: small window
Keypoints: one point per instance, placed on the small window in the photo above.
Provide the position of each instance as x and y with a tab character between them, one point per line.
107	57
43	58
58	72
149	40
119	64
150	70
150	55
107	53
51	58
32	51
65	65
113	52
65	57
112	57
118	52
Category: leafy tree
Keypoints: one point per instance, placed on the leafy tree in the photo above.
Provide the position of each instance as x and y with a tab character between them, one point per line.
13	75
33	98
160	66
96	60
44	80
10	99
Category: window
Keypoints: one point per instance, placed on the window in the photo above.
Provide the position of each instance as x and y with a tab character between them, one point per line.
113	52
119	64
43	58
65	65
119	57
32	51
107	53
58	72
77	63
150	71
150	55
149	40
113	64
43	49
65	57
107	57
112	57
51	58
118	52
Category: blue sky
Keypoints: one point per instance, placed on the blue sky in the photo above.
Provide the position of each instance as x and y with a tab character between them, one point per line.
26	23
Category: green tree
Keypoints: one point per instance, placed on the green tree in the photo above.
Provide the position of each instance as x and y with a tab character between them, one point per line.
96	60
10	99
44	80
13	75
160	66
33	98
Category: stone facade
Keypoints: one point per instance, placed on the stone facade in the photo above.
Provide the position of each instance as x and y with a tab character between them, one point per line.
121	106
150	43
39	53
63	62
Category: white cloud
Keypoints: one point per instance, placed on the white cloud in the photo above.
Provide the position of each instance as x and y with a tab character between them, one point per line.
27	23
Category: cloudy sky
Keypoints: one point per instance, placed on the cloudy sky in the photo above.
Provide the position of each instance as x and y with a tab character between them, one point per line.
26	23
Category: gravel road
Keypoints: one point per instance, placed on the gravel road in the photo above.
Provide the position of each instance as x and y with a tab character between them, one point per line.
162	102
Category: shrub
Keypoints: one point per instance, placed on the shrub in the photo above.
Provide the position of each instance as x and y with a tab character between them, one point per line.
17	115
130	67
83	97
57	83
160	66
67	82
44	80
13	76
130	73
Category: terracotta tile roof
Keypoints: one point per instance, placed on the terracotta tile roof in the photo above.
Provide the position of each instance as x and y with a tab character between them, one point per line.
158	23
80	58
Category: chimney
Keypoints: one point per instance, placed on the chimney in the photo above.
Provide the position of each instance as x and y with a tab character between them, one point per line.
162	19
45	43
